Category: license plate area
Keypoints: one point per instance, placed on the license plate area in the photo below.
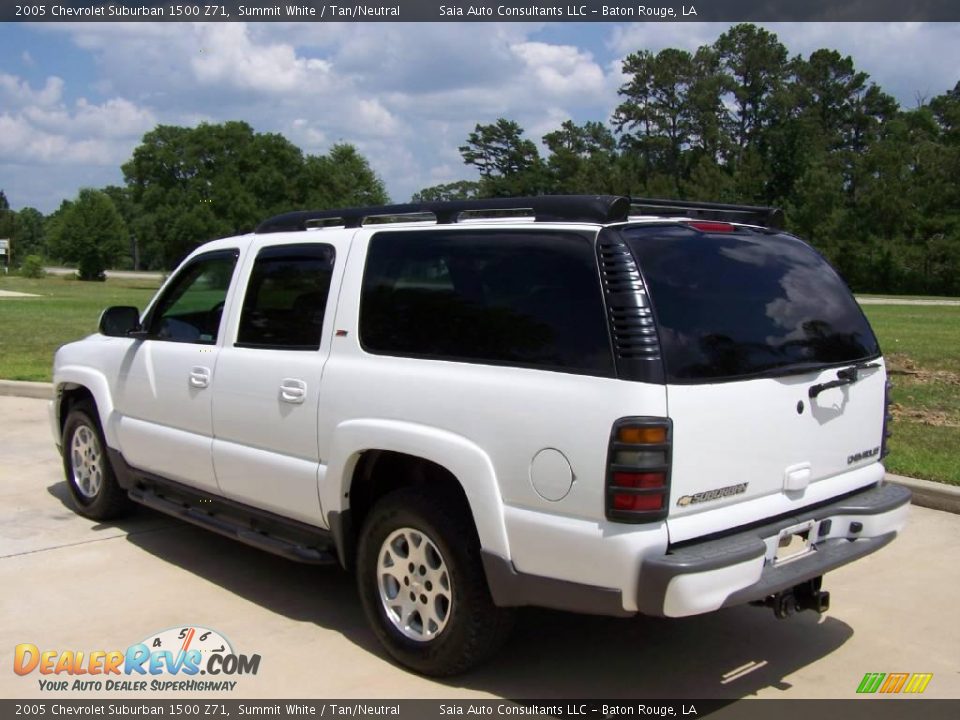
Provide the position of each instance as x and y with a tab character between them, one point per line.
794	542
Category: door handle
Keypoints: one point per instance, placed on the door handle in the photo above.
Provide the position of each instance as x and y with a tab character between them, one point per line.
293	390
199	376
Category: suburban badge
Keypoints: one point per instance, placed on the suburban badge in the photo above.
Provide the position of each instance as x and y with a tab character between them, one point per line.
709	495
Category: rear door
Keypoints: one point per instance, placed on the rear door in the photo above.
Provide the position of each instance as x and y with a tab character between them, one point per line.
774	380
266	395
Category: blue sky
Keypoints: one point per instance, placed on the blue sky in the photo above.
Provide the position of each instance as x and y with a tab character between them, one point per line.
75	98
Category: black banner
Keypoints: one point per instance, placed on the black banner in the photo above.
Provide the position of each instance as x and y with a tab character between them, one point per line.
860	709
495	11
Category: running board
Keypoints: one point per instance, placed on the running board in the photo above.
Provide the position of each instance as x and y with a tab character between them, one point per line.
290	539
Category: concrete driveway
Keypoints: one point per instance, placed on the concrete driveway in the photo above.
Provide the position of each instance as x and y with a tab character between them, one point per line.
72	584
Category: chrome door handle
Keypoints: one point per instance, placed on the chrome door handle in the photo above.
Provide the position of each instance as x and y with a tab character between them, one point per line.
199	376
293	390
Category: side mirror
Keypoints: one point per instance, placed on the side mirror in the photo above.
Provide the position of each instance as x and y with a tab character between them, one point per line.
119	321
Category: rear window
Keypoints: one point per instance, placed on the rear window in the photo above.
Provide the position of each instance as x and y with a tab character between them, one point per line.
734	305
505	297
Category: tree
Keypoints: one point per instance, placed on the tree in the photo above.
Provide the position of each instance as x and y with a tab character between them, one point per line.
90	232
460	190
343	178
189	185
508	163
755	63
193	184
28	236
582	158
7	217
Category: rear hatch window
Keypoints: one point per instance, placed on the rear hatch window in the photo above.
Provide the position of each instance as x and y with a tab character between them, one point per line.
746	304
749	322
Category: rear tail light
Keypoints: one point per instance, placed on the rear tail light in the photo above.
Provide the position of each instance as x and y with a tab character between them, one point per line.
638	470
887	419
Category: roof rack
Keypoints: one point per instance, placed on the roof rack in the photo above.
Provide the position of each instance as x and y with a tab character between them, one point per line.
750	214
545	208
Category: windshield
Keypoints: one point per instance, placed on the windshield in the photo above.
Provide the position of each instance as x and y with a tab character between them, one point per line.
745	303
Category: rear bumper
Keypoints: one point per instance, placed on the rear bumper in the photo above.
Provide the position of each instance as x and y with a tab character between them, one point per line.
699	577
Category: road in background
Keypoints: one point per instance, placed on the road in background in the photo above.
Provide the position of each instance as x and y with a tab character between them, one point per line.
125	274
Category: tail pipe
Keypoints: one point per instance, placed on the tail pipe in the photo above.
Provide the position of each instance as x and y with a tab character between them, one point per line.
805	596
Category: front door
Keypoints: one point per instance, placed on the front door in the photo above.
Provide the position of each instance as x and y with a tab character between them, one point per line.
164	387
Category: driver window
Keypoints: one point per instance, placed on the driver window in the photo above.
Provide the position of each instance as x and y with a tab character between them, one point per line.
191	308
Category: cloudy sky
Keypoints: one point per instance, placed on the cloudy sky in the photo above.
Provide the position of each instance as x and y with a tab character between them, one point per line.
76	98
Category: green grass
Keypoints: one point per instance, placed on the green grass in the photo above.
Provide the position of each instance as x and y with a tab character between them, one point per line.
922	348
921	344
929	335
32	328
871	296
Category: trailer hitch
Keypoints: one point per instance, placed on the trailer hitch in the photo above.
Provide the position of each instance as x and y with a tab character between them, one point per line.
805	596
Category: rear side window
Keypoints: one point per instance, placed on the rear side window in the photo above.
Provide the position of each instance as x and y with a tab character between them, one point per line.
732	305
287	297
506	297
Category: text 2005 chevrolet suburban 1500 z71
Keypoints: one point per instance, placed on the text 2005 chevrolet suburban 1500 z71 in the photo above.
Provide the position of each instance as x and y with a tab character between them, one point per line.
586	403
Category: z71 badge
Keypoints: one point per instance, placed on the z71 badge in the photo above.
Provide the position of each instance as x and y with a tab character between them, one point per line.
717	494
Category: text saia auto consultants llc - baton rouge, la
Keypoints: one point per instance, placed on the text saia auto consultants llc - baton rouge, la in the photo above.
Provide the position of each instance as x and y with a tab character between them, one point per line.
158	662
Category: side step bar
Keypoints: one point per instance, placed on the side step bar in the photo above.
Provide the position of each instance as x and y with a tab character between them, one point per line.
230	520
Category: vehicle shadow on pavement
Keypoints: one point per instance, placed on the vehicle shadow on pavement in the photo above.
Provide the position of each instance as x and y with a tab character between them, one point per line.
730	654
138	521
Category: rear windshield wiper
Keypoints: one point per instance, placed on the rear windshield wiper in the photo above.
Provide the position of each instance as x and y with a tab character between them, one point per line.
847	376
783	370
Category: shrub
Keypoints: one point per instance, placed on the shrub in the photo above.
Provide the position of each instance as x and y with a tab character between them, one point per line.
32	267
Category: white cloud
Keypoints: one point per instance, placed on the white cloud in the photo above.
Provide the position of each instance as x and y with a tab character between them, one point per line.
18	93
229	55
40	127
21	142
561	69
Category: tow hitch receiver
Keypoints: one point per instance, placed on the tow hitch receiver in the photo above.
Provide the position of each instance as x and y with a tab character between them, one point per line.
805	596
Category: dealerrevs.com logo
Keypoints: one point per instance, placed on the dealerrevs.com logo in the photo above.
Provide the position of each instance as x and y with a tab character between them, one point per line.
172	659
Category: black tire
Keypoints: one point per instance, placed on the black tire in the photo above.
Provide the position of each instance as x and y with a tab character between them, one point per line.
93	485
474	628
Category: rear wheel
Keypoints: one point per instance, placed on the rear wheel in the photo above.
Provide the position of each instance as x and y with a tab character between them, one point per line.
90	477
422	585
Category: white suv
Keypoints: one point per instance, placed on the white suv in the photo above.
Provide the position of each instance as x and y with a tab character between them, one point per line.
586	403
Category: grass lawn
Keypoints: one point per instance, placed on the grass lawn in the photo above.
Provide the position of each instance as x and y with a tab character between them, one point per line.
32	328
922	348
921	345
936	298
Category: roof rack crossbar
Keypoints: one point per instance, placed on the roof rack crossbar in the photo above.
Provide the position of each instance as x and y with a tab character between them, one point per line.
771	217
546	208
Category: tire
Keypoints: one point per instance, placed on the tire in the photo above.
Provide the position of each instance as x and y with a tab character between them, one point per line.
93	485
439	619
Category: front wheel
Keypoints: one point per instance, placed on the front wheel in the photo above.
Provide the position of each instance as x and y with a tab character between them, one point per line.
422	585
90	477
